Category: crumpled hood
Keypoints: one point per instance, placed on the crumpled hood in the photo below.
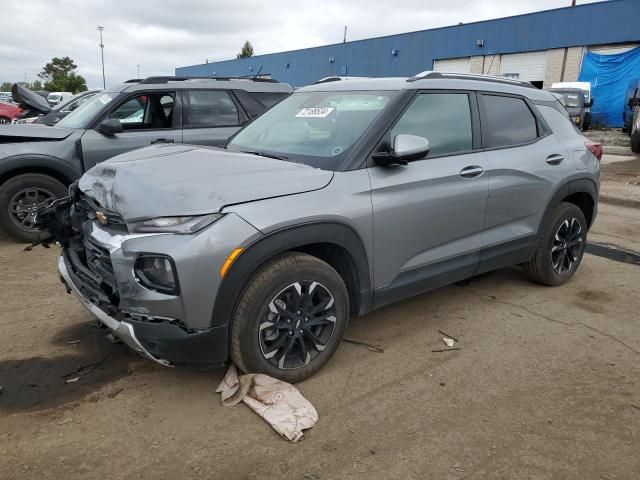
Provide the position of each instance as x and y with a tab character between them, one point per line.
176	180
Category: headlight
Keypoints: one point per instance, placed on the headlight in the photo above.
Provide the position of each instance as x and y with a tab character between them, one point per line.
181	225
156	272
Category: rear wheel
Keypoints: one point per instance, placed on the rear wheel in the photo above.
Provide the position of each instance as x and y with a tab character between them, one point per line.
562	243
635	141
290	319
20	197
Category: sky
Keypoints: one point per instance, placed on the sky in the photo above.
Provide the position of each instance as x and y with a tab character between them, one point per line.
160	35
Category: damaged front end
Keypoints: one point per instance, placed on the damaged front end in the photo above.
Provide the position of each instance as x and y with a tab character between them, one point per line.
95	267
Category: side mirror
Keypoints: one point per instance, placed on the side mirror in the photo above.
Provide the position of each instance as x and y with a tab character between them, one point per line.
634	102
406	148
110	126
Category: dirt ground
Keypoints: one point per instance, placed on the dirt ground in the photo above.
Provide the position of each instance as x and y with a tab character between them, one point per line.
612	137
545	385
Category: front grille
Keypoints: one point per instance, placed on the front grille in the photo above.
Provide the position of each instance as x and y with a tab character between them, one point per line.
91	265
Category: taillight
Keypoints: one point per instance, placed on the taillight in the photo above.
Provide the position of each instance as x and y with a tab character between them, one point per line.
595	148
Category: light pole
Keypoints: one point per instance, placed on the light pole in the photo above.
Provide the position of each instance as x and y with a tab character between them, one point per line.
138	71
101	29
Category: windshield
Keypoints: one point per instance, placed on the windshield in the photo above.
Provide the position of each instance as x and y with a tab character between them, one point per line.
86	112
316	128
571	99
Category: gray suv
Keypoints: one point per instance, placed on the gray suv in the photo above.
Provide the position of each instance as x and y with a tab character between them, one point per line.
344	197
37	163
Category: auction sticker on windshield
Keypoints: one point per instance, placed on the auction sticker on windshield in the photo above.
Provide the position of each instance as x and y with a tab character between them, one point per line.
315	112
105	99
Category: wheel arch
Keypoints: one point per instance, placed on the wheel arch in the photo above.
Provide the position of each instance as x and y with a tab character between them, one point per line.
582	192
335	243
54	167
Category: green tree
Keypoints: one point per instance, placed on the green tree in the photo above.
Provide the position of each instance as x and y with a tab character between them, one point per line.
247	50
59	75
6	87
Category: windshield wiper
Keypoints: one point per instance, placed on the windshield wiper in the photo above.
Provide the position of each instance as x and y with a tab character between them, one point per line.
265	154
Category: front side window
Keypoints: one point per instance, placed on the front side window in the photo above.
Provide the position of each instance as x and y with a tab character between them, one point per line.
317	128
507	122
442	118
146	112
212	108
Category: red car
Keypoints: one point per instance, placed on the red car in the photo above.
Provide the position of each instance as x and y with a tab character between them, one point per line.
8	112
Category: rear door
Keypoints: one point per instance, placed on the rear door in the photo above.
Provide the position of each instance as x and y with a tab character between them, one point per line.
526	163
147	118
211	117
429	214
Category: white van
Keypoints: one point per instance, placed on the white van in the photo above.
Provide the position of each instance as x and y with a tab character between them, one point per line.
54	98
588	100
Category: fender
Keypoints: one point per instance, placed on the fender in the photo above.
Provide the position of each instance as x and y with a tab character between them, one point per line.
576	185
259	250
61	169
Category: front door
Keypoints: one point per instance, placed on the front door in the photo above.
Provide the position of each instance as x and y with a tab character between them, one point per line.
147	119
428	215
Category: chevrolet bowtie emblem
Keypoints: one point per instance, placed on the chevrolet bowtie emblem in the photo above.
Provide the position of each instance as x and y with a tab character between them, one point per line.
102	218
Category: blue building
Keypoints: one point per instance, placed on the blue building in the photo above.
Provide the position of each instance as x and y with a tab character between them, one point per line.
542	47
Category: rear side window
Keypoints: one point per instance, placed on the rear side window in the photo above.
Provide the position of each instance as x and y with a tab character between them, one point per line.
268	99
507	122
212	108
442	118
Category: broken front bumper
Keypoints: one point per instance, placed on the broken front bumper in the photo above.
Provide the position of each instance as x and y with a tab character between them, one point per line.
122	329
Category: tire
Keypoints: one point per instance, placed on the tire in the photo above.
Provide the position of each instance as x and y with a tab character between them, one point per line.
45	187
542	267
4	120
255	346
635	141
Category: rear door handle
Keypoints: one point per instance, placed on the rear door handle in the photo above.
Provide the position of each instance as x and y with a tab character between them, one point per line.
471	171
554	159
162	140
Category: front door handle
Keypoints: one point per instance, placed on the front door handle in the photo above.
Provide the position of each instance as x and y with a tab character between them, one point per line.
471	171
162	140
555	159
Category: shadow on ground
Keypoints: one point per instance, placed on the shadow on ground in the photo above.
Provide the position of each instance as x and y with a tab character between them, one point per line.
44	382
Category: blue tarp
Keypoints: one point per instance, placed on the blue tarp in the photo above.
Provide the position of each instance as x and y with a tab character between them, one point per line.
609	76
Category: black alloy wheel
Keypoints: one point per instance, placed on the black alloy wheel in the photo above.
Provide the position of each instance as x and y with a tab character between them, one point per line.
298	325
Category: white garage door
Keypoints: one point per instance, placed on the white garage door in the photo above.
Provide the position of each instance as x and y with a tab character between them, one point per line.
613	49
453	65
530	67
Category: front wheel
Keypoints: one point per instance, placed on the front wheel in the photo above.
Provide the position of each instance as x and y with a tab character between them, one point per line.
561	246
20	197
290	318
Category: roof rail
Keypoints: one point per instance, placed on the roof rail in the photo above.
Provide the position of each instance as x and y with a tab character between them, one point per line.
470	76
168	79
337	79
133	80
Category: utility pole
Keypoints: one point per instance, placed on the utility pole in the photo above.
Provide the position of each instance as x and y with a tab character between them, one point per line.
344	39
138	71
101	29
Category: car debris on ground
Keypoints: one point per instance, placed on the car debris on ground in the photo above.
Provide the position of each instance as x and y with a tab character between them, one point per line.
279	403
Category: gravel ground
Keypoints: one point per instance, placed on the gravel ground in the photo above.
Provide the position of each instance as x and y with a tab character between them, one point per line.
611	137
545	385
